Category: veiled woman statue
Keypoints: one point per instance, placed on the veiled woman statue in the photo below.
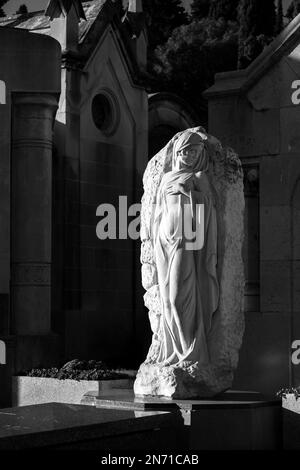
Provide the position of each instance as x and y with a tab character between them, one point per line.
186	266
181	272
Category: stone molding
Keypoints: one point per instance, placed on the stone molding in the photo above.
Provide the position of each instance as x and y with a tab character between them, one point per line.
42	99
32	143
27	274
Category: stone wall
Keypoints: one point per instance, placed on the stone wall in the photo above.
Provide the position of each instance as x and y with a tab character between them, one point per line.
97	302
27	117
261	122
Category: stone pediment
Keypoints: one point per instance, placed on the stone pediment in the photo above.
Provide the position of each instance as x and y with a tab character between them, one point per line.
242	80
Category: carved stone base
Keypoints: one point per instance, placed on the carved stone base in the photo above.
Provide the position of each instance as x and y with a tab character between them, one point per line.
181	382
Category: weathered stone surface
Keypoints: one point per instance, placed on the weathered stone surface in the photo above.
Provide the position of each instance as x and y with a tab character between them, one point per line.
190	380
275	220
37	390
275	294
266	93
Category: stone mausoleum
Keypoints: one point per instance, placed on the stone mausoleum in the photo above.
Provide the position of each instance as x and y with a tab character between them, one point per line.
75	121
29	100
256	111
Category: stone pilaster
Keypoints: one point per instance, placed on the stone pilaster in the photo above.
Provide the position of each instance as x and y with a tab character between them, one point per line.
31	226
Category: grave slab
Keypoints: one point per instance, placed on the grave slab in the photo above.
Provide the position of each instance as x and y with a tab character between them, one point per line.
234	420
65	426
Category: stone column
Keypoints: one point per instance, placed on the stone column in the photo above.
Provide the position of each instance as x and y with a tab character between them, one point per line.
31	225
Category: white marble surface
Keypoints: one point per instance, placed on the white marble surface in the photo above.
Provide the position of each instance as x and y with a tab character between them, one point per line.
211	373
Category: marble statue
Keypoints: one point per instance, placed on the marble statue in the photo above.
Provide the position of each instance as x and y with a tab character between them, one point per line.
193	191
187	276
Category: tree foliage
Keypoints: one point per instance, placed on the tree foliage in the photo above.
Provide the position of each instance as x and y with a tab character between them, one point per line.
226	9
200	9
215	9
162	18
293	9
22	10
120	7
2	3
279	17
257	22
187	63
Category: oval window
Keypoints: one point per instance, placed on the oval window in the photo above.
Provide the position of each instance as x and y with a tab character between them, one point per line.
104	112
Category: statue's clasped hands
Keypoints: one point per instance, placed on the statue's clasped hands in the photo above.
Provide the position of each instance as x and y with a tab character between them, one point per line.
180	188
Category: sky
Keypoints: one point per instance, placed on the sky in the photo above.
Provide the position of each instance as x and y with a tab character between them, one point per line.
34	5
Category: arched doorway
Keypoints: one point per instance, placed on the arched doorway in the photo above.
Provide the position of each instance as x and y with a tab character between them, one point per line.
169	114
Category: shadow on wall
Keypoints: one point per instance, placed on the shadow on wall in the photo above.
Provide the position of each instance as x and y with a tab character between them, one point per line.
295	288
266	349
97	294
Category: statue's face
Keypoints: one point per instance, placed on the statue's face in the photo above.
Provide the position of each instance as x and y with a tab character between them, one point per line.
190	155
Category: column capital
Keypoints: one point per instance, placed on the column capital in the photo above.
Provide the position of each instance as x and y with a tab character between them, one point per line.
40	99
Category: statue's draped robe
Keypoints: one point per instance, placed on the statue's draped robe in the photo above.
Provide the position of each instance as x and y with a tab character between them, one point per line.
187	278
